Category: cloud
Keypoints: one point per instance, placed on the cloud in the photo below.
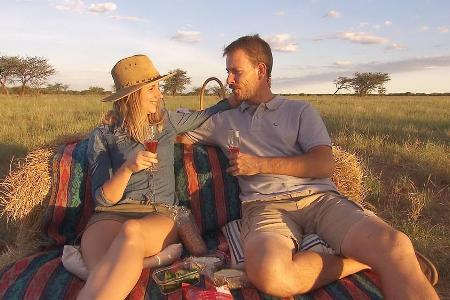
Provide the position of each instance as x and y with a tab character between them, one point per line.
102	7
363	24
359	38
342	63
395	46
387	23
127	18
279	13
283	42
443	29
187	36
71	5
424	28
332	14
400	66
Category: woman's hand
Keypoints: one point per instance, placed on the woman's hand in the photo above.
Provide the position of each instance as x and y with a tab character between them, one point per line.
140	160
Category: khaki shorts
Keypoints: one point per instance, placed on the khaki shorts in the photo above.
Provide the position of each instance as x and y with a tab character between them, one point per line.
124	212
329	215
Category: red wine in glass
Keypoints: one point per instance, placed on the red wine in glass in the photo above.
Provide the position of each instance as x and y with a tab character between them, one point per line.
233	141
233	149
151	145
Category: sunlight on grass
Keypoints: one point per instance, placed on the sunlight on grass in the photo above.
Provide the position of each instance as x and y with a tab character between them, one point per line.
403	143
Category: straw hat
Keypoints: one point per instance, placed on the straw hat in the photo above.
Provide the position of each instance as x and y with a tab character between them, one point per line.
131	74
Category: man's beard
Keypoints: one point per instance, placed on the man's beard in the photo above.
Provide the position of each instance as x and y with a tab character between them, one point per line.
241	94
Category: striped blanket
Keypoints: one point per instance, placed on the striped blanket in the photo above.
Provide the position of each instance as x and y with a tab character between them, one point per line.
201	183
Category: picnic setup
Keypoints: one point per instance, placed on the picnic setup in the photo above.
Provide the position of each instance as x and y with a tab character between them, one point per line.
47	201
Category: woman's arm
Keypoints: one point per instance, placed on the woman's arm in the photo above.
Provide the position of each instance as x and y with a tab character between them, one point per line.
114	188
108	187
184	122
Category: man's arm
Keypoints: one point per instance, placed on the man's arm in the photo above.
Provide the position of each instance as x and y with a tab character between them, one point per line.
316	163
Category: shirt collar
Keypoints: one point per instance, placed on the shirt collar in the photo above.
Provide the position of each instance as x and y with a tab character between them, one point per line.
274	103
271	105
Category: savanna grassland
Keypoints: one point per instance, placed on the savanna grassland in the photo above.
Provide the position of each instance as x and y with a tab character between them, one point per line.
403	144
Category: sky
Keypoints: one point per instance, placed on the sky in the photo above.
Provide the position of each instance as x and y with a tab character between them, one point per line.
313	41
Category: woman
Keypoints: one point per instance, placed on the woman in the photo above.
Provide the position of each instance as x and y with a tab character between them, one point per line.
128	224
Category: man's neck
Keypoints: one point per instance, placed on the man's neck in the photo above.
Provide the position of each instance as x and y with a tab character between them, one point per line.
262	97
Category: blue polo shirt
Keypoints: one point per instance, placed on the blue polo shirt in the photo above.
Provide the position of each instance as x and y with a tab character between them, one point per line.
278	128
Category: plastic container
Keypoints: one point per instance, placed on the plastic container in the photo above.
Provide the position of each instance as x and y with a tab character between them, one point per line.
234	279
171	278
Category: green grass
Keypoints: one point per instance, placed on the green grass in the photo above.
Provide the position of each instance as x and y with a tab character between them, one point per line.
403	143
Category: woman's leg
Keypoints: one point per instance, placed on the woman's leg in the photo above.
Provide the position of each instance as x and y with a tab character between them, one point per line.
114	274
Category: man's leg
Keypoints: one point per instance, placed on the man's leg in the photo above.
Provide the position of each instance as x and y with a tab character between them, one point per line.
268	234
391	255
272	267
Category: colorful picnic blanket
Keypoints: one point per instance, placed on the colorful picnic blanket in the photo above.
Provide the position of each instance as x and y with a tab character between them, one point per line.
202	184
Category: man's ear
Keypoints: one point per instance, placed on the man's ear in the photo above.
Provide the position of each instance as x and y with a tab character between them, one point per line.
262	70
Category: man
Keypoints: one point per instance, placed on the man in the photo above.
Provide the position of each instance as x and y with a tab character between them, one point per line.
284	169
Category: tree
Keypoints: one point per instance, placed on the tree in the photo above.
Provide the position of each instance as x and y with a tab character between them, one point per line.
32	71
342	83
177	83
196	91
365	83
7	70
57	88
95	90
217	91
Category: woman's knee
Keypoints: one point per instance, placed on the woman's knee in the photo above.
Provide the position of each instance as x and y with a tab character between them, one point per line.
131	233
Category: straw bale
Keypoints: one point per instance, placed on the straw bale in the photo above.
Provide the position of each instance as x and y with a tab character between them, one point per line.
27	187
348	175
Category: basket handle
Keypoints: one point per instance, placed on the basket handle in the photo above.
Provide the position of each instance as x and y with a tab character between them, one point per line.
204	88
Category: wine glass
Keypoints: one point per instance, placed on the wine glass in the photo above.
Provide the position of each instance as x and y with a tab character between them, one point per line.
151	144
233	141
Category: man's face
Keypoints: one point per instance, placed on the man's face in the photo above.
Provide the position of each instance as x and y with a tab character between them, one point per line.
242	75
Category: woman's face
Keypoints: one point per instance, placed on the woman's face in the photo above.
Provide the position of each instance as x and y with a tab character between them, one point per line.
150	96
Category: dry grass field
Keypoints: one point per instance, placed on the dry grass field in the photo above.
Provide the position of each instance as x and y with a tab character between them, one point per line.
402	142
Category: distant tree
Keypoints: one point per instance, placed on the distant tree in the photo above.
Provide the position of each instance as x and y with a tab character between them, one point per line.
343	83
7	71
381	90
177	83
95	90
57	88
32	71
363	83
196	90
215	91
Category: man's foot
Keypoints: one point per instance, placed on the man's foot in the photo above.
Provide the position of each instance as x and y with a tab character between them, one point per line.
427	268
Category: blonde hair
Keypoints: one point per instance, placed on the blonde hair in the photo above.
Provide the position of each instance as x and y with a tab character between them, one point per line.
136	123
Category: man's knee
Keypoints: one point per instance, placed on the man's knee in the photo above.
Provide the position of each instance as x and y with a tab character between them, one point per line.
269	276
267	261
397	243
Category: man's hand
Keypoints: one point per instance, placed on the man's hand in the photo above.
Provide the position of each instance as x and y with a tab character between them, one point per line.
244	164
233	101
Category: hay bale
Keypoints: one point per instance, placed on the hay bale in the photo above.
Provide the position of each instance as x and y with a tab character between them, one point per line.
26	187
23	196
348	175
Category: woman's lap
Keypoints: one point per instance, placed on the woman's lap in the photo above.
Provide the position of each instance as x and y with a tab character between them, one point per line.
156	231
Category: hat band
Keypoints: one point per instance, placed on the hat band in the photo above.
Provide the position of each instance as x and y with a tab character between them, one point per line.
137	82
